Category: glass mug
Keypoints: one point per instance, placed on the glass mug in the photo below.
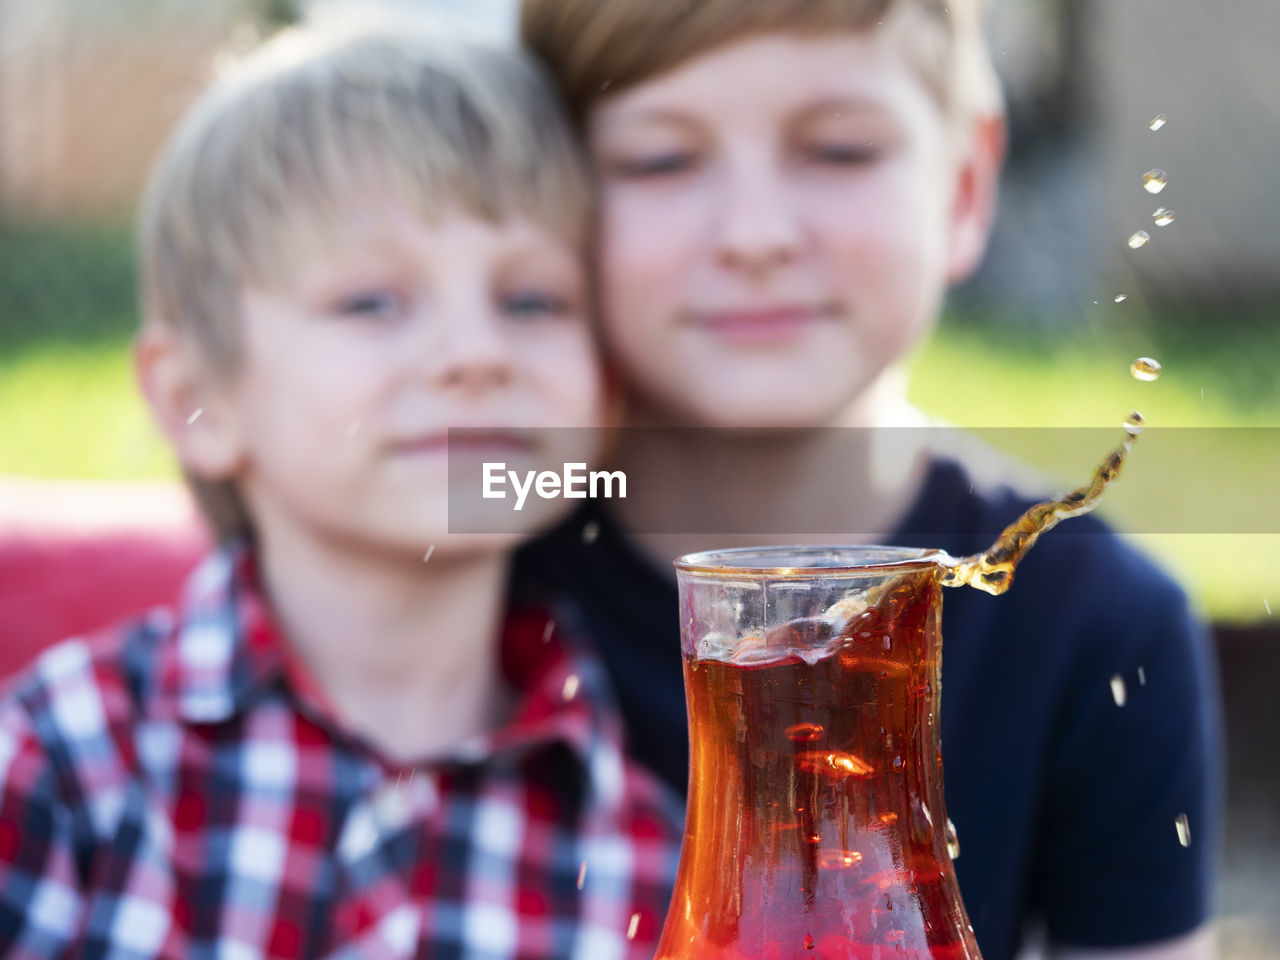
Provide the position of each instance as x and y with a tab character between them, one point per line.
816	822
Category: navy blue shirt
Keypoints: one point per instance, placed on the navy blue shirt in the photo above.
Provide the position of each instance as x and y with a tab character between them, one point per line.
1064	803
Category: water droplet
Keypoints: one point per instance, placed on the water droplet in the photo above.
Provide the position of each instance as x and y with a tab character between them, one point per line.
1163	216
1267	605
804	732
1121	297
808	941
1139	240
897	763
570	686
195	415
590	531
953	840
547	631
633	926
1153	181
582	874
1134	424
1184	829
1145	368
1142	677
1118	693
430	550
1158	121
888	643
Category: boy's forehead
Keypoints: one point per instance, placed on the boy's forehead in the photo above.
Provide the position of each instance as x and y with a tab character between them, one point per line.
377	226
865	71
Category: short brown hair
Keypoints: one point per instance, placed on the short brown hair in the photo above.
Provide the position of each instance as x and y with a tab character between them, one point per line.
286	134
599	47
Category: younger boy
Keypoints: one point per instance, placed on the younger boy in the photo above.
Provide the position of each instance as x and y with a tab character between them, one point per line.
339	742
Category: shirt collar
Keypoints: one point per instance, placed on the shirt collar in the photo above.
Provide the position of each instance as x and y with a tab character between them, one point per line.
225	651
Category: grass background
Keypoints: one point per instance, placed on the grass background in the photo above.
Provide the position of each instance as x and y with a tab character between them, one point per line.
69	407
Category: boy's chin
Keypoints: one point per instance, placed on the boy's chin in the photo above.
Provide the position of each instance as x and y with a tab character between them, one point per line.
765	410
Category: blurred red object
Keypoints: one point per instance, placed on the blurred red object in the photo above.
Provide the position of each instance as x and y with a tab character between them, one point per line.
78	556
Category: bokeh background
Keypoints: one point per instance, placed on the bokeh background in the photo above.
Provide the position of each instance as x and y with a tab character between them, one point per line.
1041	338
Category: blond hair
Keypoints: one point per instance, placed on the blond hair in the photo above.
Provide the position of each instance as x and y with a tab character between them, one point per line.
293	133
597	48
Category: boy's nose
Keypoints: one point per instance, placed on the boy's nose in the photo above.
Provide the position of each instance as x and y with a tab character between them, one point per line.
758	229
472	352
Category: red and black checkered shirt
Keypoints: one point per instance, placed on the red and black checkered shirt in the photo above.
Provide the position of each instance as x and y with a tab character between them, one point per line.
175	789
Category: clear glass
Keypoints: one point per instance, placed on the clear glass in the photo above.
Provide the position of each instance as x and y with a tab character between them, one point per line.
816	823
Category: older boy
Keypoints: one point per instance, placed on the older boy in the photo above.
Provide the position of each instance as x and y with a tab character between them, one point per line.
787	188
340	743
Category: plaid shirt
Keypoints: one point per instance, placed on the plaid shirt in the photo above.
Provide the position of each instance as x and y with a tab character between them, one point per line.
178	788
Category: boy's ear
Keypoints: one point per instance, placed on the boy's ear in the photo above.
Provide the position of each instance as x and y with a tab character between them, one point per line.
977	185
187	403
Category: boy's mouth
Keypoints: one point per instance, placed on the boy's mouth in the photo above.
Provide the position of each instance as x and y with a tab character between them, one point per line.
762	325
468	442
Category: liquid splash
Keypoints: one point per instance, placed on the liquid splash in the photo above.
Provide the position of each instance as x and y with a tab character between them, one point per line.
1158	121
1139	239
1118	691
1162	217
1145	368
992	571
1184	829
1153	181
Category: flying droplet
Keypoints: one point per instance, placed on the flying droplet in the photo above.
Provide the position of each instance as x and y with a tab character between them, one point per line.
804	732
1163	216
430	550
1142	677
1118	693
547	631
633	926
1121	297
1184	829
570	686
1139	240
953	840
590	531
582	874
1153	181
888	642
897	763
1158	121
1144	368
1134	424
1266	604
195	415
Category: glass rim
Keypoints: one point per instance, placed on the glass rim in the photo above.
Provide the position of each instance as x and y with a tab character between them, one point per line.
734	564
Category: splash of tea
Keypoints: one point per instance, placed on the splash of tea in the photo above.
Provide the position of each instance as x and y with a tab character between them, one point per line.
992	570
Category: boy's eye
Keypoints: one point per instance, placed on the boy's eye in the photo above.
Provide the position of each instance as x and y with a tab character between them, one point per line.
843	154
656	165
371	303
534	303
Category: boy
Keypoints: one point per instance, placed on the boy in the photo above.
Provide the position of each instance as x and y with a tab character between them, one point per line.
787	188
339	743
